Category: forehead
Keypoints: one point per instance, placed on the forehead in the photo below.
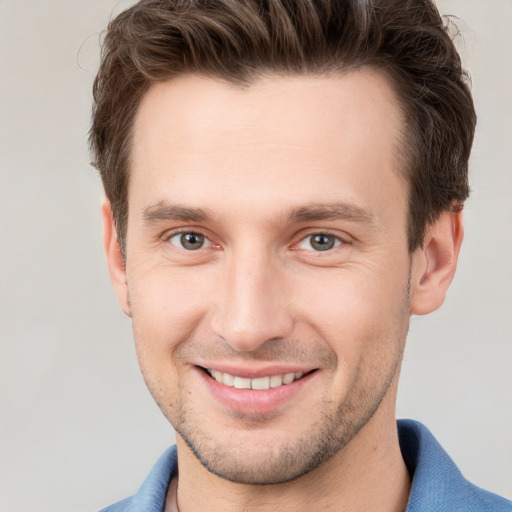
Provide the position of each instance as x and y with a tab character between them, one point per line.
302	136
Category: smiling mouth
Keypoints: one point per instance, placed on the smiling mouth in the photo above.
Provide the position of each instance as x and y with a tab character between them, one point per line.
259	383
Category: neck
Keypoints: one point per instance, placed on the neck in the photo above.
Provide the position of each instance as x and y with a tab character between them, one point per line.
367	474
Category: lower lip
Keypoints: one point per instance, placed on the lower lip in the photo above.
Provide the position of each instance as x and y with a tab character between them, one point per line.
254	401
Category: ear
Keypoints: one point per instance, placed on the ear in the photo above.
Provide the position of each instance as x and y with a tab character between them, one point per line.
115	260
434	265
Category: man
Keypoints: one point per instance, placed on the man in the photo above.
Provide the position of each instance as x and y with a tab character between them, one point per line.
284	187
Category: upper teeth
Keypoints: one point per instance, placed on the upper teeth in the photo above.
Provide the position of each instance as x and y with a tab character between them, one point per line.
272	381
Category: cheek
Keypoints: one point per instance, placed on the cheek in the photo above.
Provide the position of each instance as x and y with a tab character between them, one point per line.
167	304
355	310
364	322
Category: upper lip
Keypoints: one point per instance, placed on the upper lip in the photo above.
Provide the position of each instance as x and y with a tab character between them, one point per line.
253	372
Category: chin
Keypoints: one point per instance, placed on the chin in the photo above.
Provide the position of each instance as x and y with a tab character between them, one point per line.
267	457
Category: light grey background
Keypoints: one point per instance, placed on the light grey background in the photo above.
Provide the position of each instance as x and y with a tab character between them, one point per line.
78	428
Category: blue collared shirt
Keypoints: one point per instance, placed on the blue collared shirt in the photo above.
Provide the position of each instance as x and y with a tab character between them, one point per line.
437	483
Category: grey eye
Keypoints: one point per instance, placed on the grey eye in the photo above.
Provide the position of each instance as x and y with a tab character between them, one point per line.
188	241
320	242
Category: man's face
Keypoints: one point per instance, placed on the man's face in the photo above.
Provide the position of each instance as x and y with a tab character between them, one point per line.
266	243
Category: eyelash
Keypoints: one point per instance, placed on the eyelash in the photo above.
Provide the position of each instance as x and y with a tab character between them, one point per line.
180	233
337	240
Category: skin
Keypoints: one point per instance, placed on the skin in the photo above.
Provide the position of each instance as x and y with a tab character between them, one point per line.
258	171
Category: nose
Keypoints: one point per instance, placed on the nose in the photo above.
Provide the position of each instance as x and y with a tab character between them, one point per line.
252	306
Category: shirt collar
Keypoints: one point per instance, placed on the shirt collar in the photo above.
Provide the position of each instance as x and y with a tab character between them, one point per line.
437	483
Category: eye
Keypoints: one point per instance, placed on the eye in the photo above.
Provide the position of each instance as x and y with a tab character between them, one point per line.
320	242
189	241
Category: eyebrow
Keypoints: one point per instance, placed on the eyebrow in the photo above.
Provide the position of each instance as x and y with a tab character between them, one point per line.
332	211
163	211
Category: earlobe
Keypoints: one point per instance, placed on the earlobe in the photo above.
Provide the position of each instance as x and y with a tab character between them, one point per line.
115	260
435	263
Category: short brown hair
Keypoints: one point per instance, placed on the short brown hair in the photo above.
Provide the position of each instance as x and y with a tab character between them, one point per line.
237	40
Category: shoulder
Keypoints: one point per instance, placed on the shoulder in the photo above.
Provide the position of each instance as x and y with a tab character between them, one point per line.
437	483
485	501
152	493
120	506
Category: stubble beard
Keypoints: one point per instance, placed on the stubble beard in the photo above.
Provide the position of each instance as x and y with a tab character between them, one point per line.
272	463
267	464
